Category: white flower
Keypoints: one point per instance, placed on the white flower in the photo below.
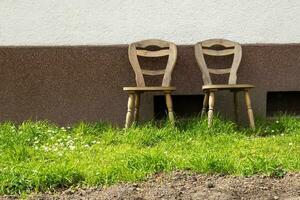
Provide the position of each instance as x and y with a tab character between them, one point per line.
86	146
72	148
70	142
277	121
282	134
290	144
94	142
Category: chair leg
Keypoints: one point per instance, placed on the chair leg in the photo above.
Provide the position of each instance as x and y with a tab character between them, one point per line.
249	109
130	109
205	101
235	102
211	104
137	106
170	107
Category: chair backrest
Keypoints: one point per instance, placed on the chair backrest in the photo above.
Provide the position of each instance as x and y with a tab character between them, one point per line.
140	49
229	48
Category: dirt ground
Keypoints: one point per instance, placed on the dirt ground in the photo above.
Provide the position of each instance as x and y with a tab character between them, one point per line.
185	185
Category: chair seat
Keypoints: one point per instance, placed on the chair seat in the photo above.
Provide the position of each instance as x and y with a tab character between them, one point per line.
227	87
149	89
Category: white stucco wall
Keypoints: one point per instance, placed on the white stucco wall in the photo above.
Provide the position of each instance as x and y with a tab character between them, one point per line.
81	22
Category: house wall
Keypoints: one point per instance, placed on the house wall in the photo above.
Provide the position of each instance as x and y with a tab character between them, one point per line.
94	22
66	61
70	84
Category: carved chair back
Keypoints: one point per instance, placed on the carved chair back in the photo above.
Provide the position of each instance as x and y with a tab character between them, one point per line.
140	49
229	48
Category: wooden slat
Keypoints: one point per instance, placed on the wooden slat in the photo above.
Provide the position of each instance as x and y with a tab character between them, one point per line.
235	64
170	65
153	72
227	86
222	42
135	65
219	71
159	53
152	42
151	88
224	52
202	64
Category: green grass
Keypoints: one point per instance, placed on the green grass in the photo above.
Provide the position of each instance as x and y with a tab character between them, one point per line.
40	156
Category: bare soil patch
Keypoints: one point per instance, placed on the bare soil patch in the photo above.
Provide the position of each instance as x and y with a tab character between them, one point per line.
186	185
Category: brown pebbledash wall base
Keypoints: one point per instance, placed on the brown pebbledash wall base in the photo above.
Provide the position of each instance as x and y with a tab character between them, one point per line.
84	83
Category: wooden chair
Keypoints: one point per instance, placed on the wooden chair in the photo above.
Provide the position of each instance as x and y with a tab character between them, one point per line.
140	49
229	47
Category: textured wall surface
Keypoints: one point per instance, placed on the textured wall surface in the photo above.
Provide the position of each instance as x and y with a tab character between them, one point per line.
70	84
77	22
73	83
